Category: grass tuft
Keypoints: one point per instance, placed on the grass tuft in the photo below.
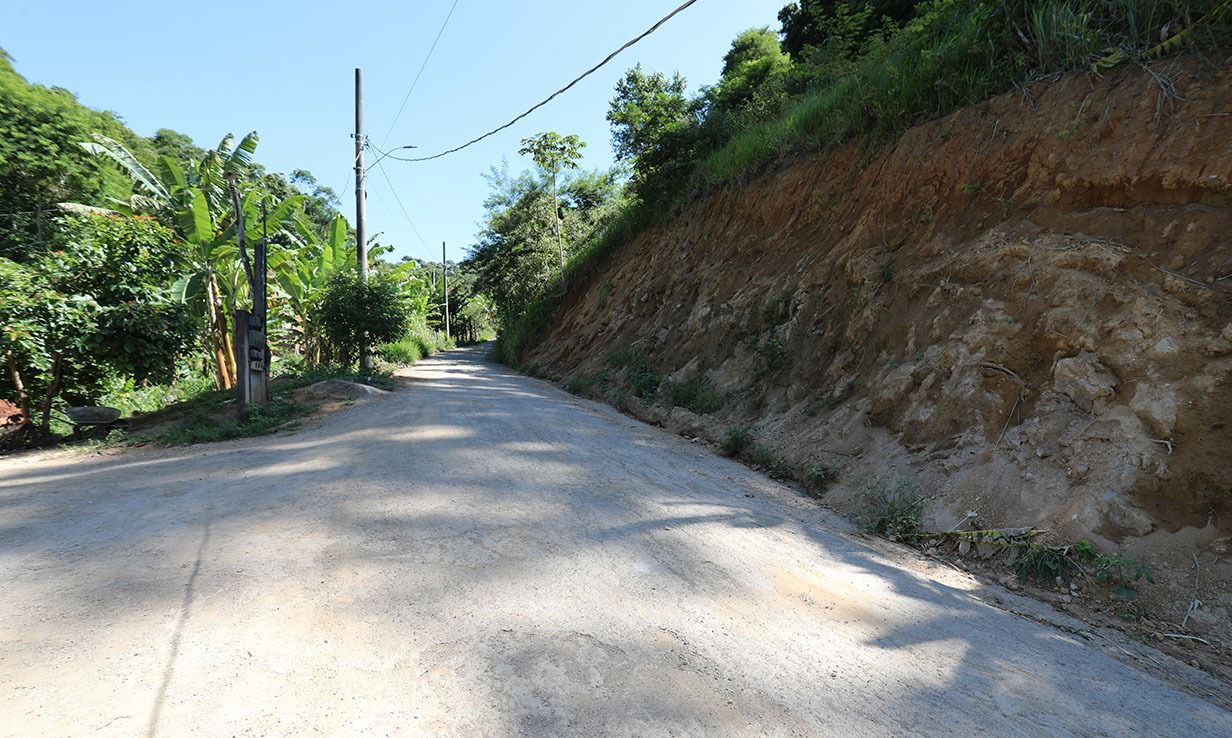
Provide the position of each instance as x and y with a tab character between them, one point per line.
735	441
696	394
892	513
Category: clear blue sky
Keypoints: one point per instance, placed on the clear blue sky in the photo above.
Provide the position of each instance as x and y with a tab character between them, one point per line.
286	70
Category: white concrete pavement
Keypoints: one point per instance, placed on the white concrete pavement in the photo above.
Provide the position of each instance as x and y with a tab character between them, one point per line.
482	554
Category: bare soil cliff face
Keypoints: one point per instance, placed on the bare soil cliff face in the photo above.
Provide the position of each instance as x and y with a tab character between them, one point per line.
1025	308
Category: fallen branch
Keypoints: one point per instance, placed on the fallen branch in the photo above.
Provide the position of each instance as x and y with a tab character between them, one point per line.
1188	638
1004	370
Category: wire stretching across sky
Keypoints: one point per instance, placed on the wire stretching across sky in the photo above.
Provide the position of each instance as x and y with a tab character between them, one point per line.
381	165
419	73
559	92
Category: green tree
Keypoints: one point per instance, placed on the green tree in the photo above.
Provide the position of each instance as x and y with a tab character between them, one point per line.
753	74
812	24
178	146
93	303
750	46
196	201
352	313
552	151
301	276
513	259
654	129
40	162
646	107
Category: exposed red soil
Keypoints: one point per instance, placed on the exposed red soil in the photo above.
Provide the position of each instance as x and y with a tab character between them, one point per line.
1024	309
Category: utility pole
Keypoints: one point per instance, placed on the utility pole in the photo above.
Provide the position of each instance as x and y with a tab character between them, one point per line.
445	278
361	243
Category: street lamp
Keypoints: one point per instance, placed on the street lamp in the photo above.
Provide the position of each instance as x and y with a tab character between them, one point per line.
387	153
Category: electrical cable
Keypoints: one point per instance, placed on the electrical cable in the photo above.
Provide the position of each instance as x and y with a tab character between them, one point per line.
554	95
398	199
420	72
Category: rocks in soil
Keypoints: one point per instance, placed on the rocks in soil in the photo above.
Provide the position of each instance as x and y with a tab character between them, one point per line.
1085	380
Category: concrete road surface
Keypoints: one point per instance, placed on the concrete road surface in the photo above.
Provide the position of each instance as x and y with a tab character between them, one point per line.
481	554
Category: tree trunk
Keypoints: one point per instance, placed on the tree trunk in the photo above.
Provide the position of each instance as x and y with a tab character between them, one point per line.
57	373
219	336
560	244
23	399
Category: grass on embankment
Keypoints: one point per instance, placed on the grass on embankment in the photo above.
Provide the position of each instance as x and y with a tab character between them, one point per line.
953	54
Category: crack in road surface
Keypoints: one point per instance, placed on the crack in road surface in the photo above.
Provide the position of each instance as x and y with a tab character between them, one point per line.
482	554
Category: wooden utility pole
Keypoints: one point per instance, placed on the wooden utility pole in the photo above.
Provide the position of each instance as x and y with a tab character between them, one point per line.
445	278
361	242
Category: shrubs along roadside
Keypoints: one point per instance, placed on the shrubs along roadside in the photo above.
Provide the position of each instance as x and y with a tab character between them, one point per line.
417	343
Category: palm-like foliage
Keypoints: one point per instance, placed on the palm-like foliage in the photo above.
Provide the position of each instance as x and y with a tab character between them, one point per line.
195	201
301	277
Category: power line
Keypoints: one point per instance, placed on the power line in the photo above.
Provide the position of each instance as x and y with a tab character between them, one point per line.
419	73
562	90
397	198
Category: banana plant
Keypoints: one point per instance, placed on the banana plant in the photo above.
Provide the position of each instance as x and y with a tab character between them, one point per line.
301	277
195	202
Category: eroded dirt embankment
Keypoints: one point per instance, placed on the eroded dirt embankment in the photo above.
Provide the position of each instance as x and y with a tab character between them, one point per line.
1022	308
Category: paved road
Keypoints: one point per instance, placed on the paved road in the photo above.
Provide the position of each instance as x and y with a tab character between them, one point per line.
482	554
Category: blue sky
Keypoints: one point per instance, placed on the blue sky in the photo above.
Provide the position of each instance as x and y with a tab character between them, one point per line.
286	70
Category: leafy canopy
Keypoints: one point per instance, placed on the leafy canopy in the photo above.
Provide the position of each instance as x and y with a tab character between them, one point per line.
351	310
552	151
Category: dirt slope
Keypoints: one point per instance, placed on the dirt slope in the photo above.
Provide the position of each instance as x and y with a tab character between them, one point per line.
1022	308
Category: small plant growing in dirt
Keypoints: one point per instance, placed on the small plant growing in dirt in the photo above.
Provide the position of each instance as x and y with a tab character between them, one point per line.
885	269
763	456
971	187
580	385
781	469
772	352
892	513
605	293
1122	574
820	476
1045	564
735	441
775	311
639	375
696	394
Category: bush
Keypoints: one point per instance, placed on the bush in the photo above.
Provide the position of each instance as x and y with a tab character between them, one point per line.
892	513
418	342
1122	574
820	476
352	313
696	394
639	376
1045	564
735	441
91	306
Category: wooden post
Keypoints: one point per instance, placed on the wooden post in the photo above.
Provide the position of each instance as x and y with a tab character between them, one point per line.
251	387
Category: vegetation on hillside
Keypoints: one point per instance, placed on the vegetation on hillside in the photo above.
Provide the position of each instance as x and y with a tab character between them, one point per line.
121	268
835	70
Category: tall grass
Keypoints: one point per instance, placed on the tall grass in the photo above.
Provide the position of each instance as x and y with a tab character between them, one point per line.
419	342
